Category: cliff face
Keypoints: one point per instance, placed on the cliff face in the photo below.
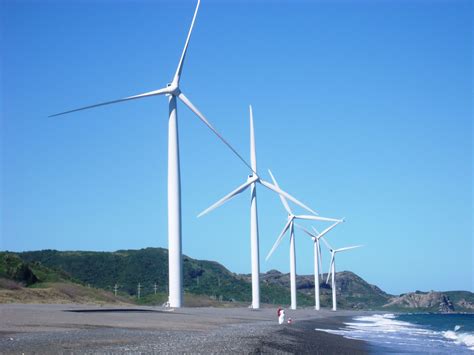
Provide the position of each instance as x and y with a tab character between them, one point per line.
433	301
466	304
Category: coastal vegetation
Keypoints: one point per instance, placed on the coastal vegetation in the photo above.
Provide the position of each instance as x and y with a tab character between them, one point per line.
84	276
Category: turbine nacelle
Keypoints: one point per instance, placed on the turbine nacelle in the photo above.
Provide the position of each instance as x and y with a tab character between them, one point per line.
252	178
173	89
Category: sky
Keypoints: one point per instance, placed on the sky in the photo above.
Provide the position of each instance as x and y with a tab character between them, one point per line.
362	109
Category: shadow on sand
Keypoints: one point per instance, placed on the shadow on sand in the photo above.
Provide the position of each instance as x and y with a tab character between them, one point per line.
114	310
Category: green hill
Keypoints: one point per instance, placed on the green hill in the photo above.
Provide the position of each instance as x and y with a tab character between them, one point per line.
32	282
206	282
353	292
127	268
14	268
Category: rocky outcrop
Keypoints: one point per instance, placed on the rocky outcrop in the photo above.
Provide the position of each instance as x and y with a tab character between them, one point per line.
465	304
434	301
446	306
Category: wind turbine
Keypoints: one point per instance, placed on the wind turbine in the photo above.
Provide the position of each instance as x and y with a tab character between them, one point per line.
332	269
317	257
172	90
290	225
252	181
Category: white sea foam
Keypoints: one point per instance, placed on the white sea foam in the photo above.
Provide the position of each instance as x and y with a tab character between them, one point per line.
460	338
386	330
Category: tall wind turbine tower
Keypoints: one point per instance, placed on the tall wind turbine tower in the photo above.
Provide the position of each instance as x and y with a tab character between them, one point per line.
317	258
173	91
254	222
290	226
251	182
332	269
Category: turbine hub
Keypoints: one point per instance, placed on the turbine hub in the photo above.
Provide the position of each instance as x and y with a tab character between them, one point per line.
173	89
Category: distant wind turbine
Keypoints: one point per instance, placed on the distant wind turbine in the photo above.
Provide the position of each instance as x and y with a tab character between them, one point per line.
252	181
317	257
332	269
290	225
172	90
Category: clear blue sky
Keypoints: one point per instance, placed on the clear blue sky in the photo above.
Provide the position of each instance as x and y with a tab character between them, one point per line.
363	109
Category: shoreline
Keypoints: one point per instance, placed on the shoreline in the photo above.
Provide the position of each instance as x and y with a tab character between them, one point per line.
117	329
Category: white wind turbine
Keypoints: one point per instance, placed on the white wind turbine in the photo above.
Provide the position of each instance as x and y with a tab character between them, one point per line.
252	181
290	225
332	269
172	90
317	257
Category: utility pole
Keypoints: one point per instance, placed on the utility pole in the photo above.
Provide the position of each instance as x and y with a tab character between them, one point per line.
155	287
115	290
139	289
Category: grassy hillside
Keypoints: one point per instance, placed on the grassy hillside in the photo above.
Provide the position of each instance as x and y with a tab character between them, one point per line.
28	273
207	282
127	268
32	282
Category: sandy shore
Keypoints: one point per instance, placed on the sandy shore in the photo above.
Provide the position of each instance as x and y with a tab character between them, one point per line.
102	329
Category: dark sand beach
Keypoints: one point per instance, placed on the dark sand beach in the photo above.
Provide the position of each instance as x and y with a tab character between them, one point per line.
102	329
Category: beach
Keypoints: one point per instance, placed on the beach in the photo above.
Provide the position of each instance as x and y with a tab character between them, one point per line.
28	328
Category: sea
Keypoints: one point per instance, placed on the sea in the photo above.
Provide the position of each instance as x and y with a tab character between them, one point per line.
413	332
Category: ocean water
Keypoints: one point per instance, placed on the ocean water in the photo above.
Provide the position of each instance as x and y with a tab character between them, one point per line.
413	333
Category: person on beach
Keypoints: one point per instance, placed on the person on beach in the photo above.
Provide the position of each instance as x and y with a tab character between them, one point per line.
281	315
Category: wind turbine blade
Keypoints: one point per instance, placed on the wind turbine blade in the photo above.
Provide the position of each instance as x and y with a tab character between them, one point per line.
330	267
177	76
347	248
193	108
151	93
315	230
327	244
286	194
282	198
279	239
306	231
317	218
227	197
329	228
253	153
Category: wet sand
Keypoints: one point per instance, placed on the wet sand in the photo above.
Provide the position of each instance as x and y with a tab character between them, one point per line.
102	329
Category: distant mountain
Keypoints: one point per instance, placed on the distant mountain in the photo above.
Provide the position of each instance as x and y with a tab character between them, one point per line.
211	280
353	292
445	302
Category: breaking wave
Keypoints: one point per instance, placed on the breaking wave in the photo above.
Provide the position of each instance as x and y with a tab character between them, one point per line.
388	332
